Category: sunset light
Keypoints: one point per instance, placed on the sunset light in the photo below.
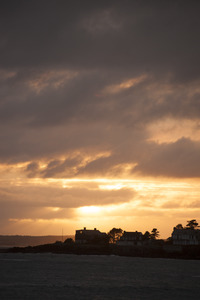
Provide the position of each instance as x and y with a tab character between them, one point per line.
101	121
89	210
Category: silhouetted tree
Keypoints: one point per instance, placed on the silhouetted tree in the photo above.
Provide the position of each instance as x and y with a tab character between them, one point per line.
146	236
192	224
69	241
114	235
154	233
178	226
169	240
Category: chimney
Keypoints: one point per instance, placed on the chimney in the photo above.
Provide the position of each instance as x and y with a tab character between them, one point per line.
95	229
84	228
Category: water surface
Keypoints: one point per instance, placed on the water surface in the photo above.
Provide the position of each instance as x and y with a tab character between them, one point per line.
60	276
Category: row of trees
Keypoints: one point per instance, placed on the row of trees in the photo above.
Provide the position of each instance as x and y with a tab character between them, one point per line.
192	224
115	234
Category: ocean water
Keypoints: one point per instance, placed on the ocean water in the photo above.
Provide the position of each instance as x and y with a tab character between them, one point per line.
60	276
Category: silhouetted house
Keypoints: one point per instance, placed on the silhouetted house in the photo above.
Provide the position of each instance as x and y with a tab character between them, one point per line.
86	236
186	236
130	239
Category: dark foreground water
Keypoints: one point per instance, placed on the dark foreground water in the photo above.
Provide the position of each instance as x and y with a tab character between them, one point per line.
60	276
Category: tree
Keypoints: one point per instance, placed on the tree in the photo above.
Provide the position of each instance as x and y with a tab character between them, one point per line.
114	235
192	224
69	241
178	226
154	233
146	236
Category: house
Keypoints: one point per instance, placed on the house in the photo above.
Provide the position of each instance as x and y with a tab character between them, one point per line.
130	239
186	236
88	236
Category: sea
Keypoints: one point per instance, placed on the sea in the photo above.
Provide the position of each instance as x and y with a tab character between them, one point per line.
63	276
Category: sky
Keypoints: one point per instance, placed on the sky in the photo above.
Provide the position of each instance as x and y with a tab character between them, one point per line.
99	115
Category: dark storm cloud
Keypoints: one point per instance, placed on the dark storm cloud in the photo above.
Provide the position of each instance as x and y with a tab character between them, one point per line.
63	85
178	159
32	169
114	122
154	36
81	99
66	167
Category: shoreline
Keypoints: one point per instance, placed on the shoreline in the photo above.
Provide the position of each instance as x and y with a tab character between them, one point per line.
147	251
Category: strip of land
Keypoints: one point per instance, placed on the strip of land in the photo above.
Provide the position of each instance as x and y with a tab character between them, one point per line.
153	250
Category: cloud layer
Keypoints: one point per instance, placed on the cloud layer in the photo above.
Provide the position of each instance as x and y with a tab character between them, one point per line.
98	90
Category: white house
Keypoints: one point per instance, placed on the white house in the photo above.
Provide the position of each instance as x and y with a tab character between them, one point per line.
186	236
130	239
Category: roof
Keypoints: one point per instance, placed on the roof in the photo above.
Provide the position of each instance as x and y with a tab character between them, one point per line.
89	231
